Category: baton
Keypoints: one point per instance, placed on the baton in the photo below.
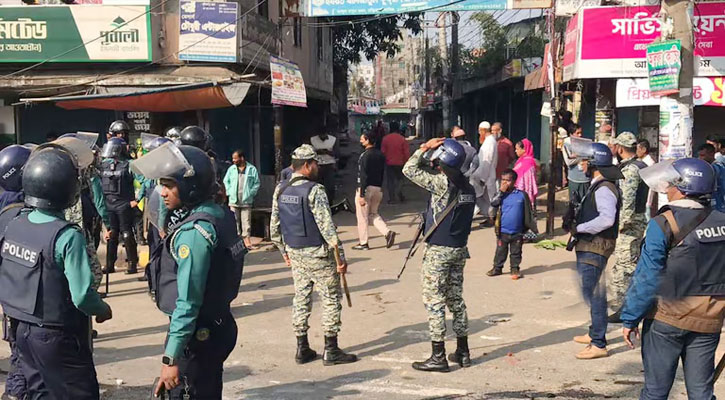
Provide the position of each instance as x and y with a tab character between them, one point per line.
342	276
719	369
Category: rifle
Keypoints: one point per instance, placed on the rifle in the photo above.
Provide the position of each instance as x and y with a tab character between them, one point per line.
338	260
413	247
718	369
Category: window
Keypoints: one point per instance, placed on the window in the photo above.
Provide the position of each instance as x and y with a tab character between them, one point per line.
320	45
297	28
263	8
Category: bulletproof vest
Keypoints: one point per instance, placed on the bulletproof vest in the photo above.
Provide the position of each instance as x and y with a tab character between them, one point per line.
694	267
454	229
640	203
588	211
299	228
33	288
117	180
225	272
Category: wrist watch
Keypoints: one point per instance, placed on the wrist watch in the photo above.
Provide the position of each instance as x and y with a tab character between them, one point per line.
166	360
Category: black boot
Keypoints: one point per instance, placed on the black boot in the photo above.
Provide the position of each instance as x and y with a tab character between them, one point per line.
461	356
333	355
304	353
437	361
132	268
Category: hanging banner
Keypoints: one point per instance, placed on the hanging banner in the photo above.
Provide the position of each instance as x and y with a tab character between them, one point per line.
336	8
208	31
571	46
88	33
706	91
663	66
612	41
674	123
288	87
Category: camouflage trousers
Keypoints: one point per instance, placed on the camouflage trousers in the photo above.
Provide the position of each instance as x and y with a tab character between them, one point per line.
310	272
626	255
442	275
74	214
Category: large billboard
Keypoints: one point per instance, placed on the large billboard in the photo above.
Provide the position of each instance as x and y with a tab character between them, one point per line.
336	8
79	33
208	31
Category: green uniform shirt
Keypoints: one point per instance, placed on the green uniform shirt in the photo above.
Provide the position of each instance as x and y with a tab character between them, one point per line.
191	246
70	254
99	200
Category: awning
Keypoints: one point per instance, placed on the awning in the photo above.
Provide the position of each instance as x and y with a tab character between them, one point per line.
535	79
174	98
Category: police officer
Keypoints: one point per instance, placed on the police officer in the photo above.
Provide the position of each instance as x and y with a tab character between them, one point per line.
119	129
194	136
196	297
117	181
301	227
632	220
445	252
46	283
596	229
173	133
679	283
12	161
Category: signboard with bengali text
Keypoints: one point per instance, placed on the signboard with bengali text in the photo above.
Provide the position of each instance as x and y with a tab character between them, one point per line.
288	87
663	66
208	31
706	91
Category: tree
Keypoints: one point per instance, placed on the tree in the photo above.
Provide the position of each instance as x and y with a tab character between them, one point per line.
493	46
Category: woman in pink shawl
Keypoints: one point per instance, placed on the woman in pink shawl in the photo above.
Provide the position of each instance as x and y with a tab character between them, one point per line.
525	167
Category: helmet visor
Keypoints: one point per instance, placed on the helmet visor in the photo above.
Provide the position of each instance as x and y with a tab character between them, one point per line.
659	177
153	207
90	138
82	154
111	150
147	139
581	148
163	162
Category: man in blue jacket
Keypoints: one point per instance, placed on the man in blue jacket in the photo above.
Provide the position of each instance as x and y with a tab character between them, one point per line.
242	183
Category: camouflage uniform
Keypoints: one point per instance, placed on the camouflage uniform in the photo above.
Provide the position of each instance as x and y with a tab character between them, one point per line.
631	230
313	266
442	270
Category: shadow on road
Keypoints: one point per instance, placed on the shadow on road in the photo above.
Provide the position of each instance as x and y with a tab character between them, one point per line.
308	389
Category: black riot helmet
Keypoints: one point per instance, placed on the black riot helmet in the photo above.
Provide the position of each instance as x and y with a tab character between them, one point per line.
187	166
119	127
50	179
12	161
195	136
115	148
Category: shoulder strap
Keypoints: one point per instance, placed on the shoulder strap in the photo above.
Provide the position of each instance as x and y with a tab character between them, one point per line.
677	233
442	215
11	206
289	183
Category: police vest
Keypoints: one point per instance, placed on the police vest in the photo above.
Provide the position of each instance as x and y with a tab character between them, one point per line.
695	266
117	181
454	229
33	288
588	211
299	228
225	272
640	203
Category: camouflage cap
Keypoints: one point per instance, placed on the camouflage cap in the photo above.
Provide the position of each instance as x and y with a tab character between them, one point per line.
304	152
626	139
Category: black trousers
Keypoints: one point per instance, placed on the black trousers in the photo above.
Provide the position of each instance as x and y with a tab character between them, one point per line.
506	241
122	229
57	364
202	365
394	176
327	179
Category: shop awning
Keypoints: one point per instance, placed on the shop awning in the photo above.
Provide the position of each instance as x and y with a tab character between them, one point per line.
535	79
170	98
395	110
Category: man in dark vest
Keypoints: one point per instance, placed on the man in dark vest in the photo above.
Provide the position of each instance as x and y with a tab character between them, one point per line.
46	283
196	275
117	182
679	283
302	229
596	229
12	161
445	249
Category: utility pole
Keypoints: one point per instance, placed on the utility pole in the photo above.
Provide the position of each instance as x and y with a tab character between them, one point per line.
455	65
553	165
278	111
443	49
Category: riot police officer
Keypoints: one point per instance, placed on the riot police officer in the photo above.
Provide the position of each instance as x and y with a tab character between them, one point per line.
46	283
173	133
682	272
448	217
196	297
12	161
117	182
595	231
301	227
194	136
119	129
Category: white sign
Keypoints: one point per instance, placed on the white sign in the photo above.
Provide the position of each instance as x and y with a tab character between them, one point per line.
566	8
208	31
706	91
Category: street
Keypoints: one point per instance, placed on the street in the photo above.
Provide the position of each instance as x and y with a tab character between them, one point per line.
520	331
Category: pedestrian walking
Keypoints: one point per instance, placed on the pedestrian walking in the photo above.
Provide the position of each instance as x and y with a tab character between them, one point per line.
513	218
679	283
397	151
326	147
578	181
117	182
632	221
483	179
301	227
49	298
504	147
525	168
197	274
242	183
471	162
369	194
445	250
595	232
